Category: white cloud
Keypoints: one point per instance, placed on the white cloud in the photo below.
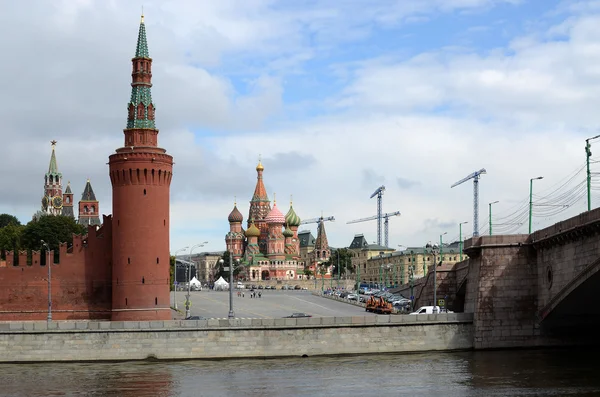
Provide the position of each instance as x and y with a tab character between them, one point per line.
519	111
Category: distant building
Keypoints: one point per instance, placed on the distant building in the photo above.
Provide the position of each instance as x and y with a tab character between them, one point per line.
393	268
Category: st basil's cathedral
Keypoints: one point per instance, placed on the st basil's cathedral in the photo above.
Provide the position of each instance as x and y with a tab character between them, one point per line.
269	248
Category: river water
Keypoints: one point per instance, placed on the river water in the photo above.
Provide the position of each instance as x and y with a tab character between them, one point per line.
490	373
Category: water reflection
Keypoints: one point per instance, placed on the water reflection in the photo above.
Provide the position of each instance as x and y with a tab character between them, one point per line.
495	373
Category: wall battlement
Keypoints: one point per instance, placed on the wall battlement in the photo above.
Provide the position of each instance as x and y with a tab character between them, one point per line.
80	282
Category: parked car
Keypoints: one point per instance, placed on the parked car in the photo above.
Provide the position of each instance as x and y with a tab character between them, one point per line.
298	315
296	287
352	297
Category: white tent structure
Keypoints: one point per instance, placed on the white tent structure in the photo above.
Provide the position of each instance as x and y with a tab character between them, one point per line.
221	284
195	284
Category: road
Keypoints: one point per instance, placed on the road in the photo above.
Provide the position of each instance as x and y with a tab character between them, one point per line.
272	304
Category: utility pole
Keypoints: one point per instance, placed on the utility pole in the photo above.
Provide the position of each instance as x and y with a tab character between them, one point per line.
588	154
531	199
490	212
460	240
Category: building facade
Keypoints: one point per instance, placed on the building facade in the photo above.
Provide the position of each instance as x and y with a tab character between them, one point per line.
393	268
269	249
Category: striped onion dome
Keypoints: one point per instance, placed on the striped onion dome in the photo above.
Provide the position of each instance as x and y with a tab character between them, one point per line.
291	218
252	231
235	215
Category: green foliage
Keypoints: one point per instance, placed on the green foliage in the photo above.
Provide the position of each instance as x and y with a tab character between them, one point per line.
307	272
220	268
52	229
171	272
7	219
10	238
345	261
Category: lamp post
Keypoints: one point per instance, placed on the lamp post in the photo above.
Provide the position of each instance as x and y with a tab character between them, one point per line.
380	275
490	213
460	240
435	265
48	265
411	277
187	298
531	199
588	154
175	277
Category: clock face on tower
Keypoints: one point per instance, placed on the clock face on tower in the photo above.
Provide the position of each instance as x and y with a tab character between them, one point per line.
57	202
45	202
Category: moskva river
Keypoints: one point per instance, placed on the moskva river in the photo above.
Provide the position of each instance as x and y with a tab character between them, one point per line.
492	373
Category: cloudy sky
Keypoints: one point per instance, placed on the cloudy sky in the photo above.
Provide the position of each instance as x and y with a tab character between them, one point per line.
338	96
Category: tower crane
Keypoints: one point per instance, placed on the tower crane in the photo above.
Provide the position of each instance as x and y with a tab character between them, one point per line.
318	220
386	226
379	194
475	176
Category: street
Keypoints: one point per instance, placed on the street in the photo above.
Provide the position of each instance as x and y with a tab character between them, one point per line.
272	304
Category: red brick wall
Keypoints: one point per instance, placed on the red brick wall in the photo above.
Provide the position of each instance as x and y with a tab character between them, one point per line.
80	283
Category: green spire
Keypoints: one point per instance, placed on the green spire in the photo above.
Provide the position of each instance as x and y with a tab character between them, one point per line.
141	51
53	168
140	107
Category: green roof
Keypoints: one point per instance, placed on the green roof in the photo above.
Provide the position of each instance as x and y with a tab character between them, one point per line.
141	51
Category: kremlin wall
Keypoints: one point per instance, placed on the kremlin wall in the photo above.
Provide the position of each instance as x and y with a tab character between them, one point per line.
119	271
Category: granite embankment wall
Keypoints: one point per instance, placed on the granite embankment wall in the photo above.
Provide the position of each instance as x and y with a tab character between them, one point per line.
236	338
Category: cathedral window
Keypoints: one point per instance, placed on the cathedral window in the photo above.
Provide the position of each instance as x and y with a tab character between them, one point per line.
140	111
93	209
85	209
67	199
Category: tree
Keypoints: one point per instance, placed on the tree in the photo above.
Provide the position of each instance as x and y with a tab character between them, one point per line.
307	272
52	229
172	271
10	238
345	261
7	219
220	267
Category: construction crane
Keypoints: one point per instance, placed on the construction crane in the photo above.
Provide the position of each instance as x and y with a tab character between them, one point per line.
386	225
379	194
475	176
318	220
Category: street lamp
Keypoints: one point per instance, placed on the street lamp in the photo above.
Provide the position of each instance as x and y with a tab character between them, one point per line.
531	199
187	298
490	213
175	277
49	319
588	154
435	265
460	240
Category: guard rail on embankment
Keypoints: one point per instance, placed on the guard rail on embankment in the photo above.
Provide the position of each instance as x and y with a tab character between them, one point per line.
235	338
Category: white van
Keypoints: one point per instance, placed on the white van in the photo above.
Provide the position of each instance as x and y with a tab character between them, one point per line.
427	310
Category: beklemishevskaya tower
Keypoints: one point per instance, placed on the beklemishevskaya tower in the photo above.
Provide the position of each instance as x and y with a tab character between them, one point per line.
140	173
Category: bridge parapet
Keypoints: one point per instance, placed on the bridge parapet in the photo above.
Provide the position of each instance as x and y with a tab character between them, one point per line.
583	224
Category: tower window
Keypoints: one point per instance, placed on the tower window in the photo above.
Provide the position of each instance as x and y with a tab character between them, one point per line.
125	301
143	280
164	222
157	260
155	301
129	261
144	192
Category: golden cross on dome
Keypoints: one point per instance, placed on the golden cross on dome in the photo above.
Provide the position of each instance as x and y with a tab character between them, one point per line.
235	201
142	21
274	198
291	199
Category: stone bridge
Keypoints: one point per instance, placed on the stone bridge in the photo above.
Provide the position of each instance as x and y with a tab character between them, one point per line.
525	290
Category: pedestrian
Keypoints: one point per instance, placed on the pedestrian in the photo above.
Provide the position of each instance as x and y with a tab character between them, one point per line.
259	294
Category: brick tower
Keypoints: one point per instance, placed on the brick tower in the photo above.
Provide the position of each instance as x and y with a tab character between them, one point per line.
140	173
89	207
52	202
67	209
260	206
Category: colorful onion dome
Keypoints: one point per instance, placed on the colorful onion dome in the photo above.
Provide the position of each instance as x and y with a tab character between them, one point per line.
291	218
252	231
288	232
275	216
235	215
